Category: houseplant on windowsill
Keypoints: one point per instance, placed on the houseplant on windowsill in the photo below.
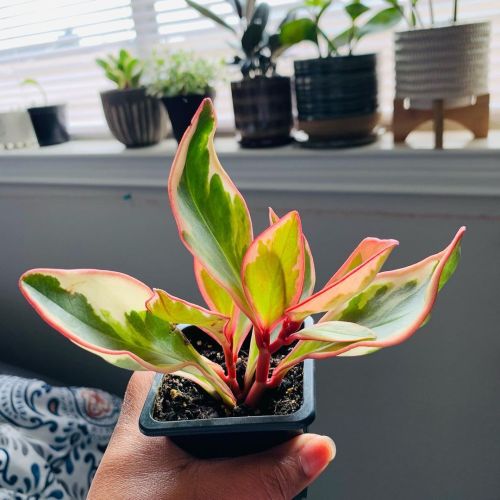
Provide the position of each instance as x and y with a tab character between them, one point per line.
441	61
337	93
182	80
262	99
242	358
135	118
49	121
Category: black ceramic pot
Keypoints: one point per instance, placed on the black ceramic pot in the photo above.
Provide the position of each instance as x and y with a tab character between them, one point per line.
337	100
181	109
49	123
263	111
134	118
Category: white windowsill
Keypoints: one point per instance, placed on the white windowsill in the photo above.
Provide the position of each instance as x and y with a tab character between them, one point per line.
465	168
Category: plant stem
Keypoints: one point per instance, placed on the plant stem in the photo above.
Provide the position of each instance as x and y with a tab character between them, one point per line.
231	370
287	329
455	11
431	12
261	372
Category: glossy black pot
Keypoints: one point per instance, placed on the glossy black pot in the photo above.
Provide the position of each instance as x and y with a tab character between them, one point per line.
263	111
337	100
135	118
49	123
181	109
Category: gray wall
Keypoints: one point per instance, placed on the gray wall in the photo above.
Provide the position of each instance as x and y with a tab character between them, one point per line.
421	420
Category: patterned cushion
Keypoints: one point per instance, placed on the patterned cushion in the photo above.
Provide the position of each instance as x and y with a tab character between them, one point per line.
51	438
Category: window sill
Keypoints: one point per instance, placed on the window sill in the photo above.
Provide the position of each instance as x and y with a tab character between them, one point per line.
466	168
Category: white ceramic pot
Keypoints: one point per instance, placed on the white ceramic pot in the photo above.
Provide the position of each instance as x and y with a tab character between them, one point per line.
446	62
16	130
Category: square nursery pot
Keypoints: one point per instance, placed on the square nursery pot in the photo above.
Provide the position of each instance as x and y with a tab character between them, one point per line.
337	100
181	109
135	118
263	111
50	124
16	130
233	436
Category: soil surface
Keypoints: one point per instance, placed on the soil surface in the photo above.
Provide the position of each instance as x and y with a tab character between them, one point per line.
181	399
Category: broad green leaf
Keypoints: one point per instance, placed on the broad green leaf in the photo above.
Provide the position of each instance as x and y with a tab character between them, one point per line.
219	300
211	214
273	271
355	9
299	30
105	313
252	38
210	15
309	269
355	274
383	20
346	36
175	310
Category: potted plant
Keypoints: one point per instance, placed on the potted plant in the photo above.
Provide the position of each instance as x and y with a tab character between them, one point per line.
244	367
337	93
182	80
49	122
443	62
262	99
135	118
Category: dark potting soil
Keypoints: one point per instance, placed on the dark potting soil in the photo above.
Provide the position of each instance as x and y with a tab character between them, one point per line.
181	399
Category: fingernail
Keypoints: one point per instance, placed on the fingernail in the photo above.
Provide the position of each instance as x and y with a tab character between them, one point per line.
316	454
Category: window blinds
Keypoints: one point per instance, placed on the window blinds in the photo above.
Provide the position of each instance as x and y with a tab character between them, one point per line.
57	41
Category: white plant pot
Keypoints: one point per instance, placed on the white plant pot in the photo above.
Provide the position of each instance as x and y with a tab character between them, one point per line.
16	130
447	62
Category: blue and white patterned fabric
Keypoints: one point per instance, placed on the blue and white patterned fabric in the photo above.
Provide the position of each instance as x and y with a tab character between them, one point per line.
51	438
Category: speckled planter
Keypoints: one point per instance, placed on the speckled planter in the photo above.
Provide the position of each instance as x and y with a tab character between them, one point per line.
134	118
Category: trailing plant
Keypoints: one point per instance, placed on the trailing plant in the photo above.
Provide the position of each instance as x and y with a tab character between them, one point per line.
306	19
32	82
257	48
124	70
181	73
262	286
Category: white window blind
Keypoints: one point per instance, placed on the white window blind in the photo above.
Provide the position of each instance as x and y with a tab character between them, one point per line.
57	41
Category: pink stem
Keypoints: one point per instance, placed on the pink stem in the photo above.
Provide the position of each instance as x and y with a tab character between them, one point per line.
261	371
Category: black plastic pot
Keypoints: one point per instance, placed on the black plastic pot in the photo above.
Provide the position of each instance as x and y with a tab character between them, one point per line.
263	111
134	118
337	100
181	109
49	123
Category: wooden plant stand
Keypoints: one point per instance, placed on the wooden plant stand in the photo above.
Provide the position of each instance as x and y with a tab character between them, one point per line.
474	117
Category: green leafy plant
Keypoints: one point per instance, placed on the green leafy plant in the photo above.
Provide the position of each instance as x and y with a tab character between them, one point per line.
181	73
31	82
258	50
304	24
263	286
125	70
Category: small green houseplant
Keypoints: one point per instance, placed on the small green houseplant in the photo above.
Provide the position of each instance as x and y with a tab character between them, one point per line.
442	61
262	99
49	121
135	118
246	347
337	93
182	80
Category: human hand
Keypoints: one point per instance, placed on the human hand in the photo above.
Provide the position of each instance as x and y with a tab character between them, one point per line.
137	467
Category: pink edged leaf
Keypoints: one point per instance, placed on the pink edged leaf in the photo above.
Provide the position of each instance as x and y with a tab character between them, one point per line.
309	269
359	270
175	310
104	312
273	271
218	299
393	307
334	331
211	214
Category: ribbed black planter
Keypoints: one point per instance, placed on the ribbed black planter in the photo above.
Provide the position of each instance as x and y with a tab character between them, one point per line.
263	111
337	100
134	118
49	123
181	109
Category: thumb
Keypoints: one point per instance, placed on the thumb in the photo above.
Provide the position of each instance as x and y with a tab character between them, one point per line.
284	471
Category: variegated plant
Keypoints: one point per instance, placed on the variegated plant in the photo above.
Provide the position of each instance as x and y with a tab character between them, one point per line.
263	285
